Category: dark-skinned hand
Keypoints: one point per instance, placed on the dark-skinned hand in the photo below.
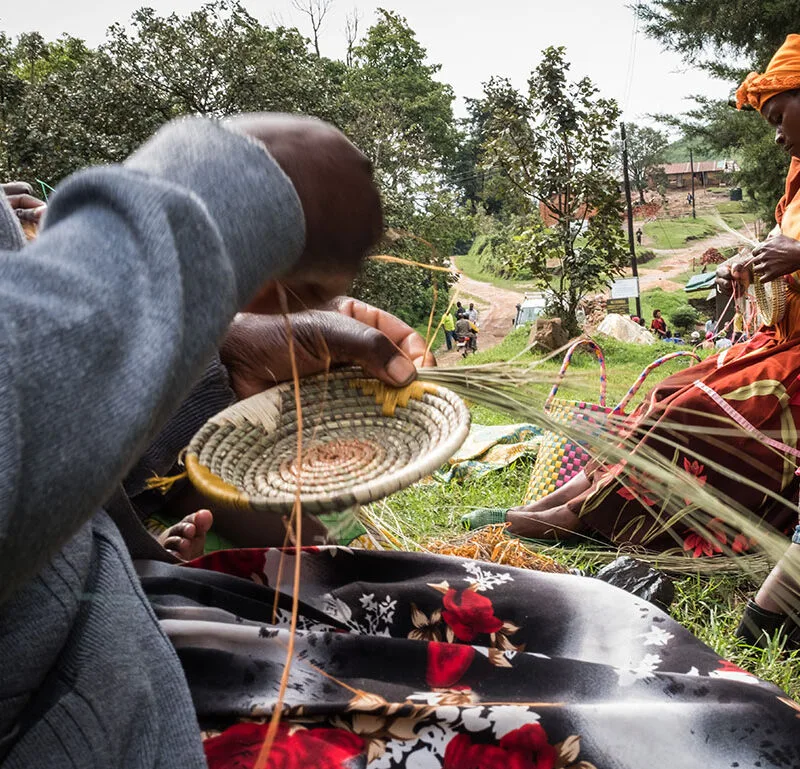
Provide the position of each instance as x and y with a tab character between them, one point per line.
256	354
23	203
334	183
775	258
728	274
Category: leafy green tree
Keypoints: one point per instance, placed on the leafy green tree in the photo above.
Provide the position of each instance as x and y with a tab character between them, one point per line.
728	39
718	35
646	148
554	144
80	106
401	116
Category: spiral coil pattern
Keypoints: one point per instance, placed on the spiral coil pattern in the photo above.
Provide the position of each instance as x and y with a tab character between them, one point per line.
361	442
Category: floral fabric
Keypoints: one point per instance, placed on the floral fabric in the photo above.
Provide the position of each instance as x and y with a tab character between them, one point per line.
414	661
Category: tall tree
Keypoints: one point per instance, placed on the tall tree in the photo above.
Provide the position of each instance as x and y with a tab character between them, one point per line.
97	106
401	116
316	10
729	39
554	143
646	148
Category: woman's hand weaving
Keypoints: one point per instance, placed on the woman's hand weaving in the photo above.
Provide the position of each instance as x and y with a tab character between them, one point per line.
775	258
256	353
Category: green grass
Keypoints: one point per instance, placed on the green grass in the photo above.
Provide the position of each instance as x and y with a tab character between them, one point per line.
470	265
709	607
737	213
666	301
676	233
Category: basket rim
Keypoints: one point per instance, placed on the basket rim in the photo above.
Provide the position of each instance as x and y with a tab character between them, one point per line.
359	493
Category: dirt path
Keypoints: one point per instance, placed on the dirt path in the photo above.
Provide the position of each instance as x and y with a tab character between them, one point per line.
680	260
497	309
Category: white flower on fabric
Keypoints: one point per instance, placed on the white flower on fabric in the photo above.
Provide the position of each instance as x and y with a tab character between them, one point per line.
484	579
435	737
337	608
644	670
506	718
474	719
379	615
396	754
656	637
693	671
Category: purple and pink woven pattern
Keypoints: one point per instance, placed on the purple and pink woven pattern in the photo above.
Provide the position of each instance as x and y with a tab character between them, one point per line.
560	459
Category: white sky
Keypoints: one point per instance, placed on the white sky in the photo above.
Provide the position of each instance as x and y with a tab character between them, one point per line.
471	39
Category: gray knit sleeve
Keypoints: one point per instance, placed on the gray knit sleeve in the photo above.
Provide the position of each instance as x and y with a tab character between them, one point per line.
11	236
111	315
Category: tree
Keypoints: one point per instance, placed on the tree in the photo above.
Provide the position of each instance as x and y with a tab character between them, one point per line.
401	116
646	148
554	145
316	10
729	39
351	24
718	35
97	106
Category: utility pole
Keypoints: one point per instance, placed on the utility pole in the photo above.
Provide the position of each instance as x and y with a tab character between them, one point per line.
691	166
629	204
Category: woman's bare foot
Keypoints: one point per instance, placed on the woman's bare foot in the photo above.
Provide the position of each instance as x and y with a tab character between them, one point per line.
571	489
556	523
187	539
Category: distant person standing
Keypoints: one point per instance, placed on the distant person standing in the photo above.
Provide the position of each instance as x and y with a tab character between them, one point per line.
460	311
710	323
639	234
689	198
472	313
449	326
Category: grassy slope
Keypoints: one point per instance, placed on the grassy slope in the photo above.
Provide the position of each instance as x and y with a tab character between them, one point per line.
709	607
676	233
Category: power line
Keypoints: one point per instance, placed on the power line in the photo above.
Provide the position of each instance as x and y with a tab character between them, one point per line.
631	63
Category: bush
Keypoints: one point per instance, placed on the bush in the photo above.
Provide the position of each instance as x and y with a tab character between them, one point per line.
645	255
684	319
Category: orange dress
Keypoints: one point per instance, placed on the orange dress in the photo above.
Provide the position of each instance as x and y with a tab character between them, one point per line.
758	383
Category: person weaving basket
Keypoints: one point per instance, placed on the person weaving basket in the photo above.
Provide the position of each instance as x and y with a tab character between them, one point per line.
755	385
402	659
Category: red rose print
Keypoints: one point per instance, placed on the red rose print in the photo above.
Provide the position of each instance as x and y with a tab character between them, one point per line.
239	746
470	617
696	469
635	490
524	748
447	664
237	563
702	547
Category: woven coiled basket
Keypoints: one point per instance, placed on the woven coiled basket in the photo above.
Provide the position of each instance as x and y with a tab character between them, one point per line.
361	442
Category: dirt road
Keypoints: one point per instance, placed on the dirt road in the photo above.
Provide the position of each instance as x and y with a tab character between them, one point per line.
680	260
497	308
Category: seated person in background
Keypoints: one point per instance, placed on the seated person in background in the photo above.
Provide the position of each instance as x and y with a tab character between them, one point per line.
659	325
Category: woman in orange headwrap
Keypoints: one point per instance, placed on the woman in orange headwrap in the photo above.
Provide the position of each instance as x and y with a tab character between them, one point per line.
756	384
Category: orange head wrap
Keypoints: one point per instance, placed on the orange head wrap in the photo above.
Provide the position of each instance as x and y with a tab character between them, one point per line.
782	74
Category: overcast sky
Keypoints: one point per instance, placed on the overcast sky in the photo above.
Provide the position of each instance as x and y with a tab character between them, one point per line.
471	39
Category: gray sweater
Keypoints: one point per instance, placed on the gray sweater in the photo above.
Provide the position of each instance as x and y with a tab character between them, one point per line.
107	319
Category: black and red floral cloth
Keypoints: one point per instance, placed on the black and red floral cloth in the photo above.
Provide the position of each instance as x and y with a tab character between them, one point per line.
421	662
